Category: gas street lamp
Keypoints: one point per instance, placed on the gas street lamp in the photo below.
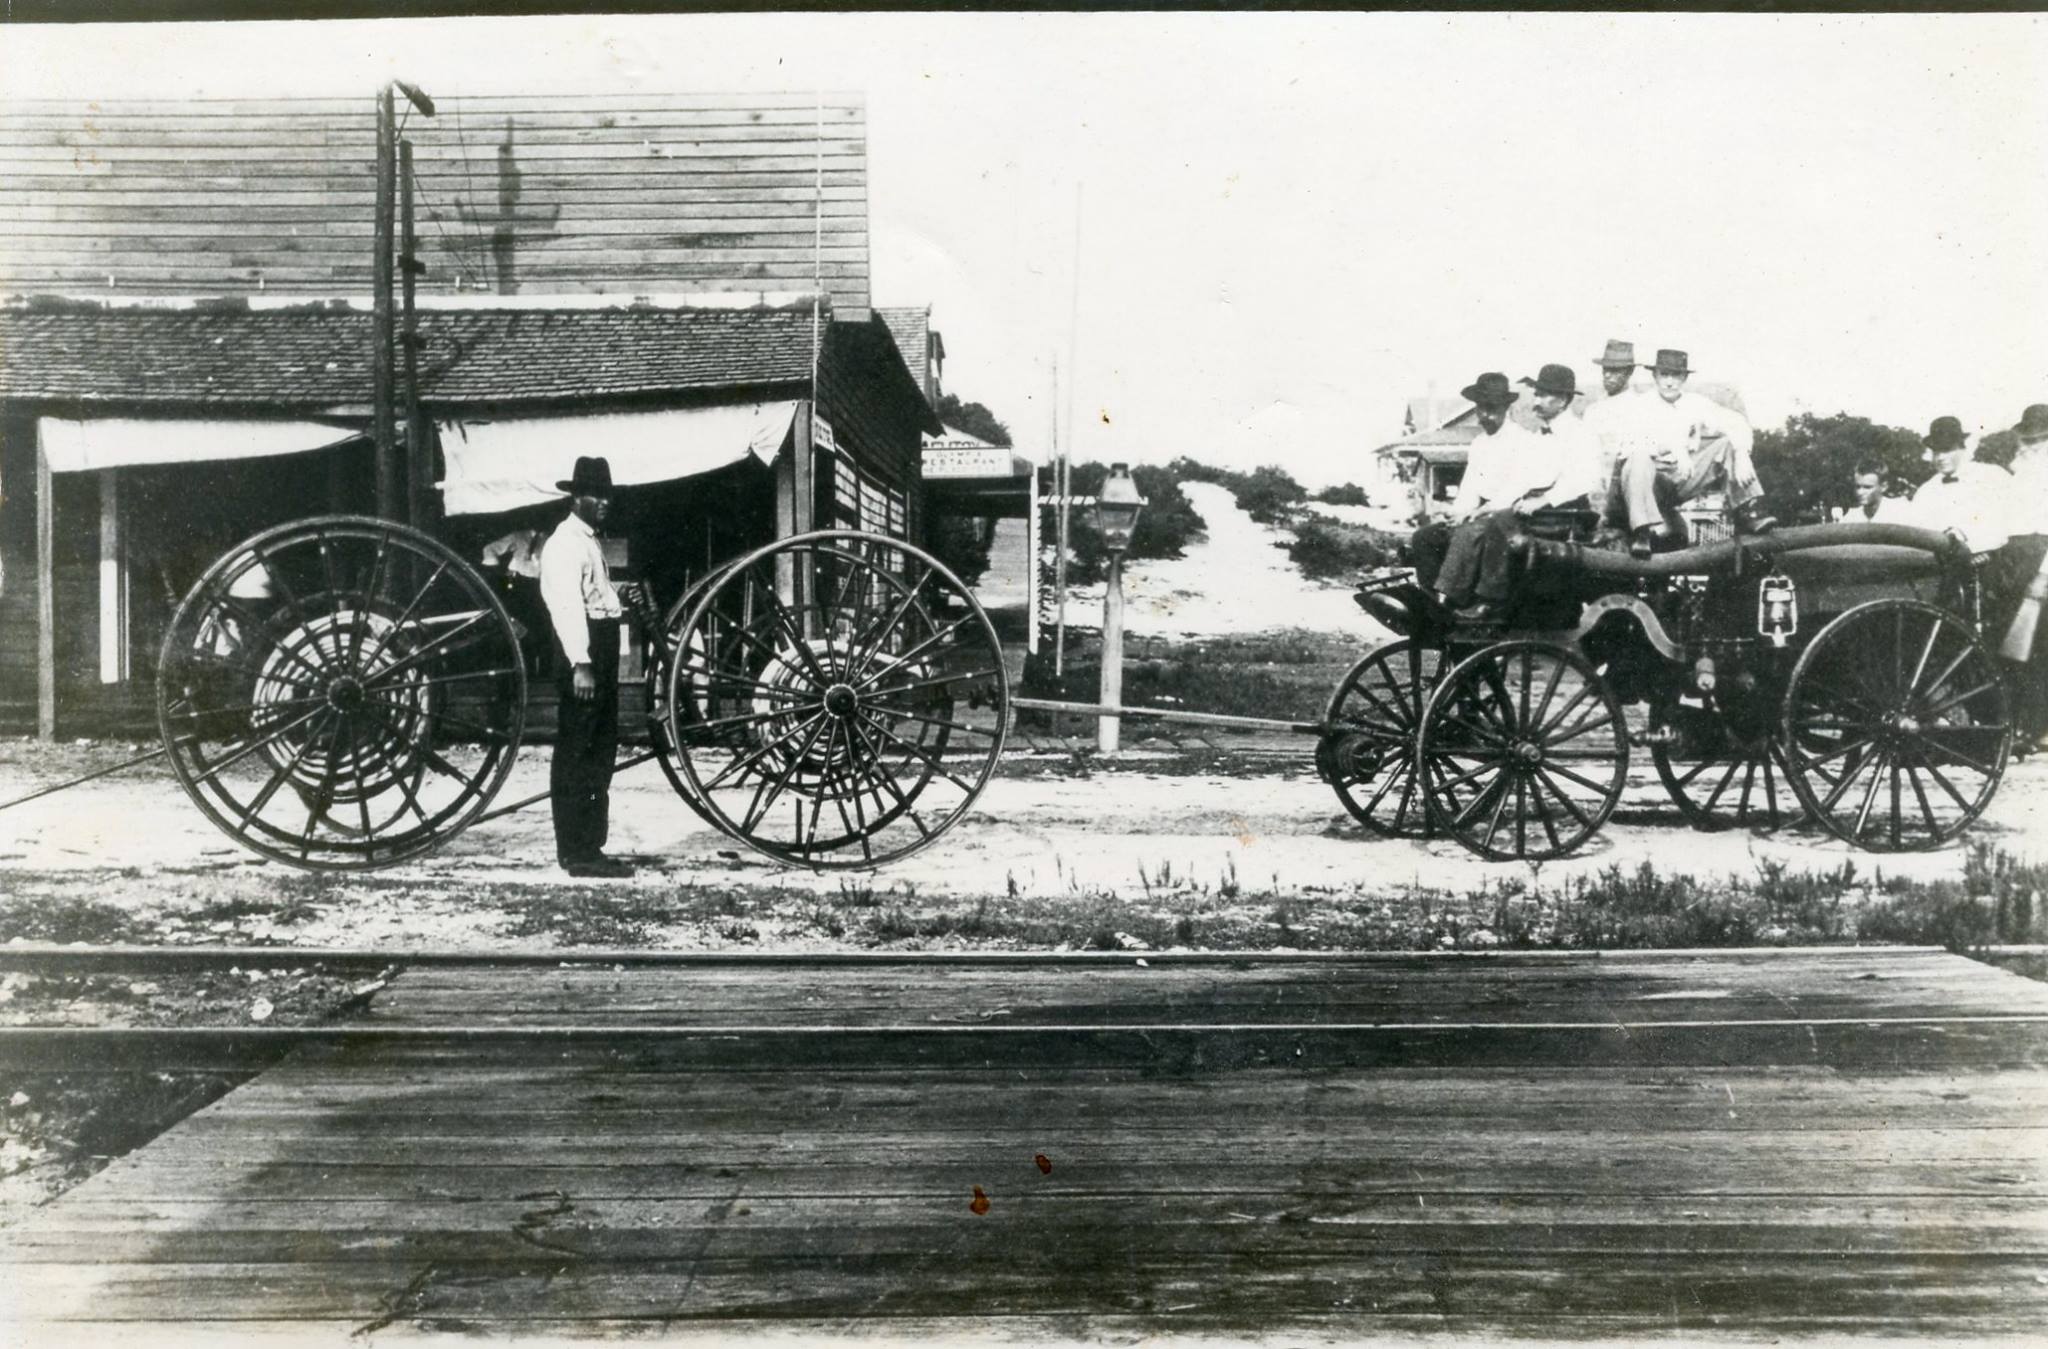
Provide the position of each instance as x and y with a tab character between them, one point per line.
1116	518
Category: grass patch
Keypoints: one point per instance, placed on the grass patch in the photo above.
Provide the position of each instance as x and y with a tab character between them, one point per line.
1286	673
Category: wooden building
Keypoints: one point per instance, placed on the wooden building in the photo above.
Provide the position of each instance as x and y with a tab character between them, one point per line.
678	283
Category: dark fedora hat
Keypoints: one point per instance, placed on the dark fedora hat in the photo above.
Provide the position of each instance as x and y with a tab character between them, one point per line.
592	478
1490	390
1555	379
1671	362
1946	433
2033	423
1618	356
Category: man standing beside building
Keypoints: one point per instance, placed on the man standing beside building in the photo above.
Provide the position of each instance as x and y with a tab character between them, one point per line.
1677	445
584	612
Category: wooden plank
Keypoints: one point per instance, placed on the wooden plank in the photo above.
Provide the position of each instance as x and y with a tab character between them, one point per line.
357	121
494	104
975	1272
194	211
1850	1045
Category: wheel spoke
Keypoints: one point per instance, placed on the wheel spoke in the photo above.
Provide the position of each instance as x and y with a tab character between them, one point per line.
1578	728
741	765
1543	772
938	681
1947	786
1571	776
405	616
871	767
1479	801
1877	768
220	766
867	650
757	812
927	759
1944	705
1734	766
894	663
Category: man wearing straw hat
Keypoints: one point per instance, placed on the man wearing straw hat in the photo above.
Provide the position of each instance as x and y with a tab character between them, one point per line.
584	612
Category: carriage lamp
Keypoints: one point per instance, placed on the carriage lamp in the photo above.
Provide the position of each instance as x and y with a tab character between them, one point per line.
1777	608
1117	508
1116	516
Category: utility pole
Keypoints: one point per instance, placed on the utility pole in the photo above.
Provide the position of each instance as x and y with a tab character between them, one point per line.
388	495
399	489
419	477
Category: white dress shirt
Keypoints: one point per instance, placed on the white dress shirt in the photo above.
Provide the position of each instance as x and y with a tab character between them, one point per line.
575	586
1673	432
1978	503
1501	469
1576	461
2030	489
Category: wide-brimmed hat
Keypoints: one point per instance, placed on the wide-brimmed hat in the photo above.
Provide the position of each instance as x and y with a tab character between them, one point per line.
592	478
1490	390
1671	362
1618	356
1554	379
1945	433
2033	423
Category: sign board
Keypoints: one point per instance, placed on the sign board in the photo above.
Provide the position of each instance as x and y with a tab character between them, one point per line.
990	461
821	433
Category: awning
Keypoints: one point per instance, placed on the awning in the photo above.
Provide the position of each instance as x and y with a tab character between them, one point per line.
502	465
120	442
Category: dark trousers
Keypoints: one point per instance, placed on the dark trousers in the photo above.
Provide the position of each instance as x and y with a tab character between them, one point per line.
2005	580
1475	560
586	743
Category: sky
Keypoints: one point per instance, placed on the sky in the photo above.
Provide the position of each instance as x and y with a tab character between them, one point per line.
1250	238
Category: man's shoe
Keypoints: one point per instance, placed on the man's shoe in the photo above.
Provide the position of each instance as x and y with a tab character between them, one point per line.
1642	543
597	867
1753	519
1479	612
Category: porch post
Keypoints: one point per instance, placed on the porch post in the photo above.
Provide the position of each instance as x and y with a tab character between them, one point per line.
46	596
113	582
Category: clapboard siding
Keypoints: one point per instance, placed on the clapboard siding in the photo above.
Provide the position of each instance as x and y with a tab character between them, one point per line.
613	194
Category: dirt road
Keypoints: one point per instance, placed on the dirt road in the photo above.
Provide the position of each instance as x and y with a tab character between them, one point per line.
1044	826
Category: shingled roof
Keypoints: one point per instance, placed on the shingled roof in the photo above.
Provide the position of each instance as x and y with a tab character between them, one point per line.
319	359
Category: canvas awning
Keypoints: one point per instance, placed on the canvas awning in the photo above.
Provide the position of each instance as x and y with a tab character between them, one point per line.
502	465
125	442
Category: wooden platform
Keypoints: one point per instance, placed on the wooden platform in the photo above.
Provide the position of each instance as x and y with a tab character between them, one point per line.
1741	1143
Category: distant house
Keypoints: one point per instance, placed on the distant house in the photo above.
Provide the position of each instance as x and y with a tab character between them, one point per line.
677	282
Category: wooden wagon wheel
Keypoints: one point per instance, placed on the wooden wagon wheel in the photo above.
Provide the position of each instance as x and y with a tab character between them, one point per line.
341	693
670	646
1729	770
1523	752
1368	757
1897	727
837	700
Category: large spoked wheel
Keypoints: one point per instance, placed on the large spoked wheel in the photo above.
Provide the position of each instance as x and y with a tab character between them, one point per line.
836	700
341	693
672	646
1897	726
1727	770
1368	756
1523	752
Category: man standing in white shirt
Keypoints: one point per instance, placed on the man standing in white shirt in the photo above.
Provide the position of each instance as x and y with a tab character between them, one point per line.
584	612
1677	445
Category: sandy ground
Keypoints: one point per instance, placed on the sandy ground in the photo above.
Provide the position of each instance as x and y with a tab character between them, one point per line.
1276	830
1237	579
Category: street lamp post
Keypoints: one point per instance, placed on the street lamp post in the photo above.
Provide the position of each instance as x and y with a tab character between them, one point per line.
1116	517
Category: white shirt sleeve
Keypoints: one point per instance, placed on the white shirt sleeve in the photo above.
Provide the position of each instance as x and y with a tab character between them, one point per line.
562	561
